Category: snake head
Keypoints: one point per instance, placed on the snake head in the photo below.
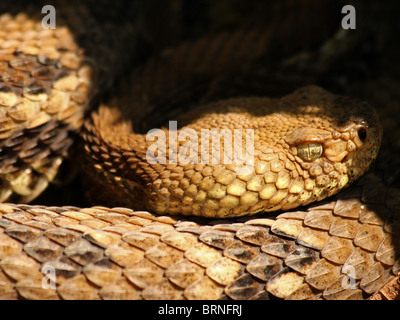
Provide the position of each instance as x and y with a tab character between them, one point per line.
337	140
364	133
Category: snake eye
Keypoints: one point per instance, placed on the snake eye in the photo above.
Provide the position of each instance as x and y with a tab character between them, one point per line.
310	151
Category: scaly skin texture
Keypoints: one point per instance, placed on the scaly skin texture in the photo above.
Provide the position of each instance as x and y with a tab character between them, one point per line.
279	176
50	77
343	248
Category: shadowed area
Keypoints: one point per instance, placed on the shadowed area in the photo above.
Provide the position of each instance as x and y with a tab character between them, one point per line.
305	253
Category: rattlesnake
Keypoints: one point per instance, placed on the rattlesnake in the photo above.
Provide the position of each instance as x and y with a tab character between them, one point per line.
344	247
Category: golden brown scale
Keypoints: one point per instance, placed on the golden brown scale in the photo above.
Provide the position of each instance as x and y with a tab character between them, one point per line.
49	78
345	247
341	249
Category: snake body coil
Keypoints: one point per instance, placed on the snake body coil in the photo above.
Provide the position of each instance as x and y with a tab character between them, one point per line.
308	146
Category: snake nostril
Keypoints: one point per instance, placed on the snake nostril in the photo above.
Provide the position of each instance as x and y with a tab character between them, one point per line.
362	133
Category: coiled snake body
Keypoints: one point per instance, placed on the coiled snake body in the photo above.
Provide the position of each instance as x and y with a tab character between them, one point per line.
308	145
